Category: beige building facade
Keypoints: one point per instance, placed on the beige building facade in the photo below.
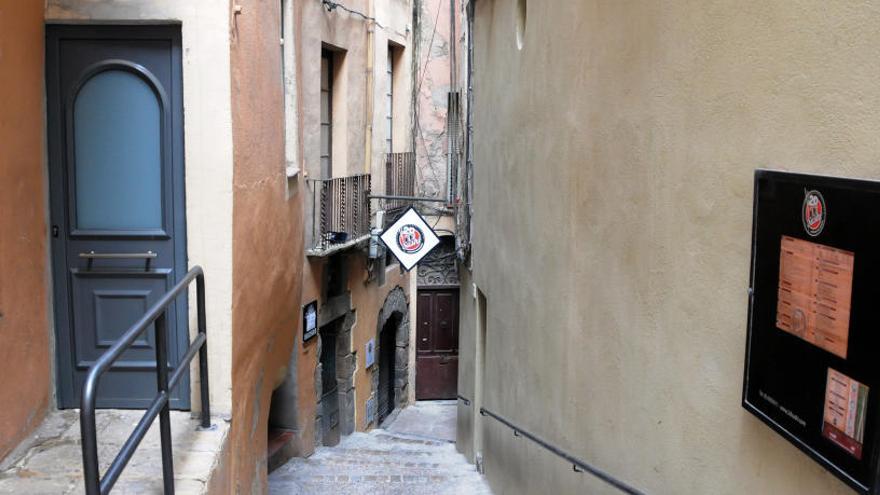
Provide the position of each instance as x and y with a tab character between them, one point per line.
615	145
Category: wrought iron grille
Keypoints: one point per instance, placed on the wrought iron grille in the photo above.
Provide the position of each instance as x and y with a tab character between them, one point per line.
342	210
400	180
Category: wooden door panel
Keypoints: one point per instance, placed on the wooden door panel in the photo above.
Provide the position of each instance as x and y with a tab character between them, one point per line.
437	344
426	316
444	323
436	377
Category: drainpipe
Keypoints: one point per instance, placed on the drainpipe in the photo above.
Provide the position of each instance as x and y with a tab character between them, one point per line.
368	130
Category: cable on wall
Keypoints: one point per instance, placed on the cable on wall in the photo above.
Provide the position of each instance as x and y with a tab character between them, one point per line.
330	5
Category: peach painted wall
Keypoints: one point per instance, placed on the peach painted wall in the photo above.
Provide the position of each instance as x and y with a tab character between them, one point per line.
24	332
267	239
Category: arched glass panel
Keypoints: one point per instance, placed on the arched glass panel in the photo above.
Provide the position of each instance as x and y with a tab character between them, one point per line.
117	152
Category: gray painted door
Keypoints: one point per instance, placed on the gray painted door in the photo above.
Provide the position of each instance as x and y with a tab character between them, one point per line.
116	188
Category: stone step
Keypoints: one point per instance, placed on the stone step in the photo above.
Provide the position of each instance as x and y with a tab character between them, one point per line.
50	460
386	462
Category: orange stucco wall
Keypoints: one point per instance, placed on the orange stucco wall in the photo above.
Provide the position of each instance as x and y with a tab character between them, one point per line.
367	299
24	333
267	239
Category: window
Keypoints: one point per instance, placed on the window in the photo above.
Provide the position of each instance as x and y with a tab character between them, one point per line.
326	114
389	102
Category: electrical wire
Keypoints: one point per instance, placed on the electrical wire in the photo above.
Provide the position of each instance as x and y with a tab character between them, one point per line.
430	45
330	5
419	89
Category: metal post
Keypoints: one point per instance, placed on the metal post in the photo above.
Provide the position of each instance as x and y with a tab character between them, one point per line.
203	352
164	414
89	433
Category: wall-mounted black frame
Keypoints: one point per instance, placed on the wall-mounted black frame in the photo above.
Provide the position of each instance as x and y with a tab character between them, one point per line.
310	324
786	376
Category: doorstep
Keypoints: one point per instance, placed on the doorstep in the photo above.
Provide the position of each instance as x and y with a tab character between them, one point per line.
50	460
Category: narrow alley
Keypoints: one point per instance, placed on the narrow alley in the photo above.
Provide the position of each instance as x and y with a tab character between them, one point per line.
428	247
412	453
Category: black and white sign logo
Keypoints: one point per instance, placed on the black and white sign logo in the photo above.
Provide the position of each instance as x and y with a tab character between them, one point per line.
410	239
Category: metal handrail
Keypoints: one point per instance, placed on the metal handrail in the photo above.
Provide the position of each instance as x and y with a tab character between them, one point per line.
94	484
577	464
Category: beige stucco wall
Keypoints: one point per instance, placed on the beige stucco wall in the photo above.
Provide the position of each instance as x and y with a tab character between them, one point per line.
208	153
356	119
613	199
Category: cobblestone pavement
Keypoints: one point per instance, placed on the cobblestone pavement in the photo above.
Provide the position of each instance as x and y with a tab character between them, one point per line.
385	462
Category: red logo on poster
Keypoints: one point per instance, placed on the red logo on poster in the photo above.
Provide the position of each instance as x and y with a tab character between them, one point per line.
814	212
410	239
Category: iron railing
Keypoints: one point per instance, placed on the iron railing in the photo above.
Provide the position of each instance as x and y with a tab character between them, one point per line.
95	484
578	465
400	180
341	210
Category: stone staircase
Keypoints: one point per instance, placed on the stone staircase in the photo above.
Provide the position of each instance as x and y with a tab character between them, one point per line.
380	462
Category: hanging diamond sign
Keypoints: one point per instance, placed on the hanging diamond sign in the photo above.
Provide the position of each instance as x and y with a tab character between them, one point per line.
410	239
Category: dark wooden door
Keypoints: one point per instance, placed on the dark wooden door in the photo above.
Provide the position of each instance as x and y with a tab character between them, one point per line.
437	344
329	387
386	369
115	132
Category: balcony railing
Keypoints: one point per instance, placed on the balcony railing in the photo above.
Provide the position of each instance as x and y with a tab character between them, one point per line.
400	180
341	213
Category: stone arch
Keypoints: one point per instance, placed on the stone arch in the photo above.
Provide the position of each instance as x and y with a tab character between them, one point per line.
394	310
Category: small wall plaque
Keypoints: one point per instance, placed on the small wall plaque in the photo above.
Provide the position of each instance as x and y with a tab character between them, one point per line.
370	354
310	320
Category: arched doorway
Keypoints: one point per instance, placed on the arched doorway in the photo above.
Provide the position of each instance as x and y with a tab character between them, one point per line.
391	375
387	352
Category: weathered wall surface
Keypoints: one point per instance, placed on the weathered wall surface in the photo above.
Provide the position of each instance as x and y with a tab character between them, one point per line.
613	187
205	31
433	86
267	238
24	321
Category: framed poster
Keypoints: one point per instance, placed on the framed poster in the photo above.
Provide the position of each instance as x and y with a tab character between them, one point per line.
310	320
811	370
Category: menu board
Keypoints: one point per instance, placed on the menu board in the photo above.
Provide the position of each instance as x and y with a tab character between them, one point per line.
845	404
815	285
813	336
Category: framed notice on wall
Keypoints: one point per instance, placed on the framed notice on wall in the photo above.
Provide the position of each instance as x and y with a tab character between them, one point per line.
812	371
310	320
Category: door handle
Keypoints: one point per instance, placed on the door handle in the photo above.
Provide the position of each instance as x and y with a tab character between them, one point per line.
91	255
